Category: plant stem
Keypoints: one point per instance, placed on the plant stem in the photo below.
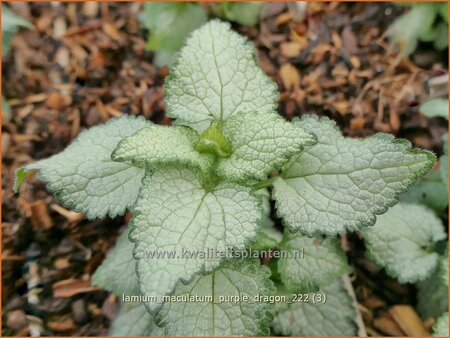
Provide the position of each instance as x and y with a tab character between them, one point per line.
263	184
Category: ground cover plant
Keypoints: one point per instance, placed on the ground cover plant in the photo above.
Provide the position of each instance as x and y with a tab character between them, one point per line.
433	17
170	23
11	23
204	184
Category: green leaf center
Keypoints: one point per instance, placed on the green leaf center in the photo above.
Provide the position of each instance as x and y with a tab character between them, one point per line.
212	141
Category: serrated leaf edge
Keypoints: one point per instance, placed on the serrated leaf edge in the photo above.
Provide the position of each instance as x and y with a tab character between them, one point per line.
380	210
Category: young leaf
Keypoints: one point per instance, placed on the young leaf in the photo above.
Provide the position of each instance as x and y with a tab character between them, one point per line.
435	108
402	240
335	317
160	145
117	273
267	237
212	141
323	261
340	183
244	13
216	76
440	328
441	41
170	23
133	319
222	318
176	216
257	148
84	178
432	297
430	190
405	29
11	23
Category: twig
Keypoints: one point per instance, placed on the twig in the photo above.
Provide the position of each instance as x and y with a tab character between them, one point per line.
379	81
359	321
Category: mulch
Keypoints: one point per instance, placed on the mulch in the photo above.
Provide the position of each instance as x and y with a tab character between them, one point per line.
86	62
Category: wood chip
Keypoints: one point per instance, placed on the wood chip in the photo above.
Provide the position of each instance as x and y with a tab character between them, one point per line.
290	76
62	325
388	326
356	63
90	9
62	57
357	123
113	112
6	141
339	70
35	98
18	138
57	101
342	107
59	28
349	40
408	320
16	320
290	49
71	287
283	18
112	31
39	215
62	263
